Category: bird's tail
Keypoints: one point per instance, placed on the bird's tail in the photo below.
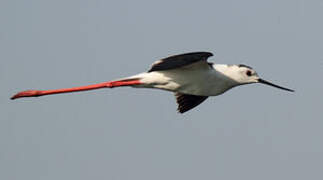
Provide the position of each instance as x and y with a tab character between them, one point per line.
109	84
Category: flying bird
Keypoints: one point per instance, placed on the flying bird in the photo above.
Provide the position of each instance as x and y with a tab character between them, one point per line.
190	76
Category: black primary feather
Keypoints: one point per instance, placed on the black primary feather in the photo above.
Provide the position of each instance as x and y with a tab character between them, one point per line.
180	60
187	102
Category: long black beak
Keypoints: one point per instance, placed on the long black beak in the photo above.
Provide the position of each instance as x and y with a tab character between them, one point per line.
274	85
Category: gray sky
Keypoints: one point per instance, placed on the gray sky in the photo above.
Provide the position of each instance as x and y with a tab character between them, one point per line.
251	132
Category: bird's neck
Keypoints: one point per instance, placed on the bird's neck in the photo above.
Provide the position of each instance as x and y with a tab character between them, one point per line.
226	74
223	68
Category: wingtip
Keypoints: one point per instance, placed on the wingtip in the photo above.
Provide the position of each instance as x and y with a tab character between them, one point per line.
210	54
180	111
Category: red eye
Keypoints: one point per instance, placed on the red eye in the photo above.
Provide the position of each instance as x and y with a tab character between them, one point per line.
249	73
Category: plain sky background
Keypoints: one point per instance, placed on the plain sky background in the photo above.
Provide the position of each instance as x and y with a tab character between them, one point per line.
251	132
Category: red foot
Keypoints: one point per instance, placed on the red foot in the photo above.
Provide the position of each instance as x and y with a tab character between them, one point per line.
28	93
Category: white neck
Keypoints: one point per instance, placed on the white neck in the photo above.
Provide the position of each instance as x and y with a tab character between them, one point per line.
229	71
224	77
223	68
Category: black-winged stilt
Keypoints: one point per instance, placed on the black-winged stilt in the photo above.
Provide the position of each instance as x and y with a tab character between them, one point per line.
189	76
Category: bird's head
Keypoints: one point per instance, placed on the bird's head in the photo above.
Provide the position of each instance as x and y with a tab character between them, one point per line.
244	74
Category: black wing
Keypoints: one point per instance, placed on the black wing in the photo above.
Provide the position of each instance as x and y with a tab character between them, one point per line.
179	61
187	102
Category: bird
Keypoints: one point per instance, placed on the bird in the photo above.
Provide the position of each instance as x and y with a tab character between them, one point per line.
189	76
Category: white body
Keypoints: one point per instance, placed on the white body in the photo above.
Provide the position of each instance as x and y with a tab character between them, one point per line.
195	79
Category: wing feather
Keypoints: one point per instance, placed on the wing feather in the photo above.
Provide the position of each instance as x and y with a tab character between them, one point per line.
187	102
180	60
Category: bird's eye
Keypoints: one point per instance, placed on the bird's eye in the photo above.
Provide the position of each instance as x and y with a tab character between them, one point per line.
248	73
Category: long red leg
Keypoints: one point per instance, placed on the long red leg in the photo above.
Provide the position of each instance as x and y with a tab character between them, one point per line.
110	84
